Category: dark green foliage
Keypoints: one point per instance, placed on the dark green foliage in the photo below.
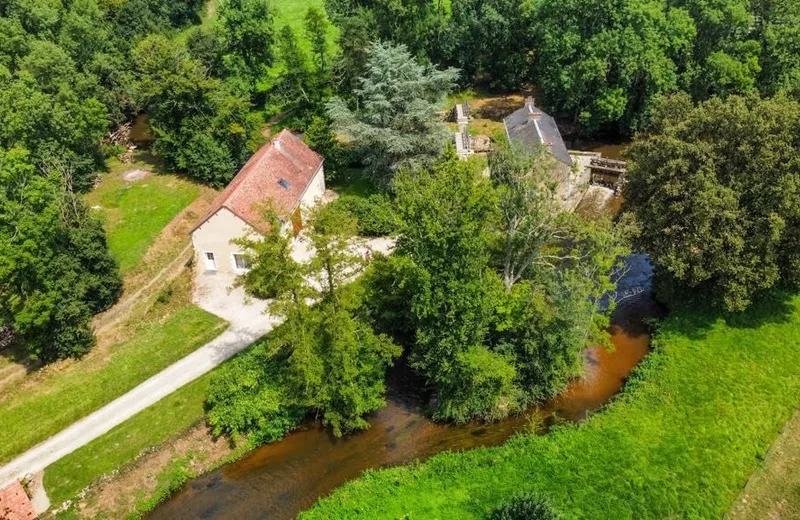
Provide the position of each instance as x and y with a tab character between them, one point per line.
55	269
525	507
375	214
395	123
488	41
247	28
201	127
319	136
714	189
603	62
490	340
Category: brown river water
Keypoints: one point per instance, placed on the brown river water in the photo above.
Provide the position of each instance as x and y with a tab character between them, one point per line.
277	481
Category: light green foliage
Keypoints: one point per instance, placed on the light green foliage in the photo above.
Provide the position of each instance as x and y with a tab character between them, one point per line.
497	290
78	390
248	395
324	358
692	424
714	189
274	272
395	124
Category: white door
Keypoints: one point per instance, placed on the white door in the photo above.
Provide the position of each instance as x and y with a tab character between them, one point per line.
211	262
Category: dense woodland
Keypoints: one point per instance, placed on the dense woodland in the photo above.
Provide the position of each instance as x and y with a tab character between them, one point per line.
493	292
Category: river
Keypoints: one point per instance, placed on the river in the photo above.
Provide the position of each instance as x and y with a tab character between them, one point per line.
277	481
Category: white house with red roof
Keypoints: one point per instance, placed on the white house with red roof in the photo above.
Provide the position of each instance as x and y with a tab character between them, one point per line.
286	175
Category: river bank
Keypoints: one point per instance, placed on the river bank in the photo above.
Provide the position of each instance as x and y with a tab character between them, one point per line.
280	479
682	440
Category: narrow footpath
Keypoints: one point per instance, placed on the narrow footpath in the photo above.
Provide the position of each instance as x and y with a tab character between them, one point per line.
248	320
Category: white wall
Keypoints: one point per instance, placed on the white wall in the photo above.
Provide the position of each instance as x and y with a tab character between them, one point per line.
314	192
215	236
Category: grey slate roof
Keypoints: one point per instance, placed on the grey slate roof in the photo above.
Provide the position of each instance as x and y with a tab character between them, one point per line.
538	129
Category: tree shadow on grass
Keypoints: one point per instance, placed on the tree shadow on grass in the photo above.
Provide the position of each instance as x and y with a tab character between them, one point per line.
769	308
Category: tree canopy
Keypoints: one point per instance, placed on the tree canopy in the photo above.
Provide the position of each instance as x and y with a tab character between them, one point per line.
714	189
394	124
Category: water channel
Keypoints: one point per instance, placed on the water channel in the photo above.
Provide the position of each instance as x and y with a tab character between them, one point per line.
277	481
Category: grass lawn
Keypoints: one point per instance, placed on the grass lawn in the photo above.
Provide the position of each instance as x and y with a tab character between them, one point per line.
135	212
60	397
774	489
150	427
287	12
692	425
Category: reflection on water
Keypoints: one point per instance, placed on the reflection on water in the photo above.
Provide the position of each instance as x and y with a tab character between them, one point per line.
278	480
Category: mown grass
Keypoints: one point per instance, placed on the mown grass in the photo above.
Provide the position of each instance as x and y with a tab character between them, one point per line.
692	424
61	397
774	489
135	212
150	427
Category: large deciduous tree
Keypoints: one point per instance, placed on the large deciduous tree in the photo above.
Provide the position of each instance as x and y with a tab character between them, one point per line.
55	269
714	189
603	62
395	124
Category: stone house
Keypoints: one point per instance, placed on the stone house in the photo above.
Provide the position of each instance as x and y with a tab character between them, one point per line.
285	175
532	127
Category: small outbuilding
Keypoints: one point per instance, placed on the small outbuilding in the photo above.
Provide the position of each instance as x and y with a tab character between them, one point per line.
285	175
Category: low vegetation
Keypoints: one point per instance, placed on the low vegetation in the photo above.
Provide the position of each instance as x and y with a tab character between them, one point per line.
773	490
134	210
692	424
35	412
150	427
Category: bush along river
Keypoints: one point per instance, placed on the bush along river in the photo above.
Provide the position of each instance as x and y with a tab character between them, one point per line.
277	481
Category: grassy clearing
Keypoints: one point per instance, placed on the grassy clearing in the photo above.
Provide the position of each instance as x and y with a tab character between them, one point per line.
693	423
774	489
57	398
134	212
287	12
150	427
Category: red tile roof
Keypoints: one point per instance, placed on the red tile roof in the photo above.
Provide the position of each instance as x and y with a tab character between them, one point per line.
279	172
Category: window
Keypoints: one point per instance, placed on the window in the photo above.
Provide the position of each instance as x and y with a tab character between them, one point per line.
240	262
211	262
284	183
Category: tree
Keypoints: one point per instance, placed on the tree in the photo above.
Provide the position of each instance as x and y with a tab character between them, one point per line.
489	41
248	28
55	269
603	62
530	215
201	127
316	29
356	31
395	124
333	362
717	206
319	136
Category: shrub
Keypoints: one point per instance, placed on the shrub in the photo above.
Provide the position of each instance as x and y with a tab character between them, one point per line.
525	507
375	214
